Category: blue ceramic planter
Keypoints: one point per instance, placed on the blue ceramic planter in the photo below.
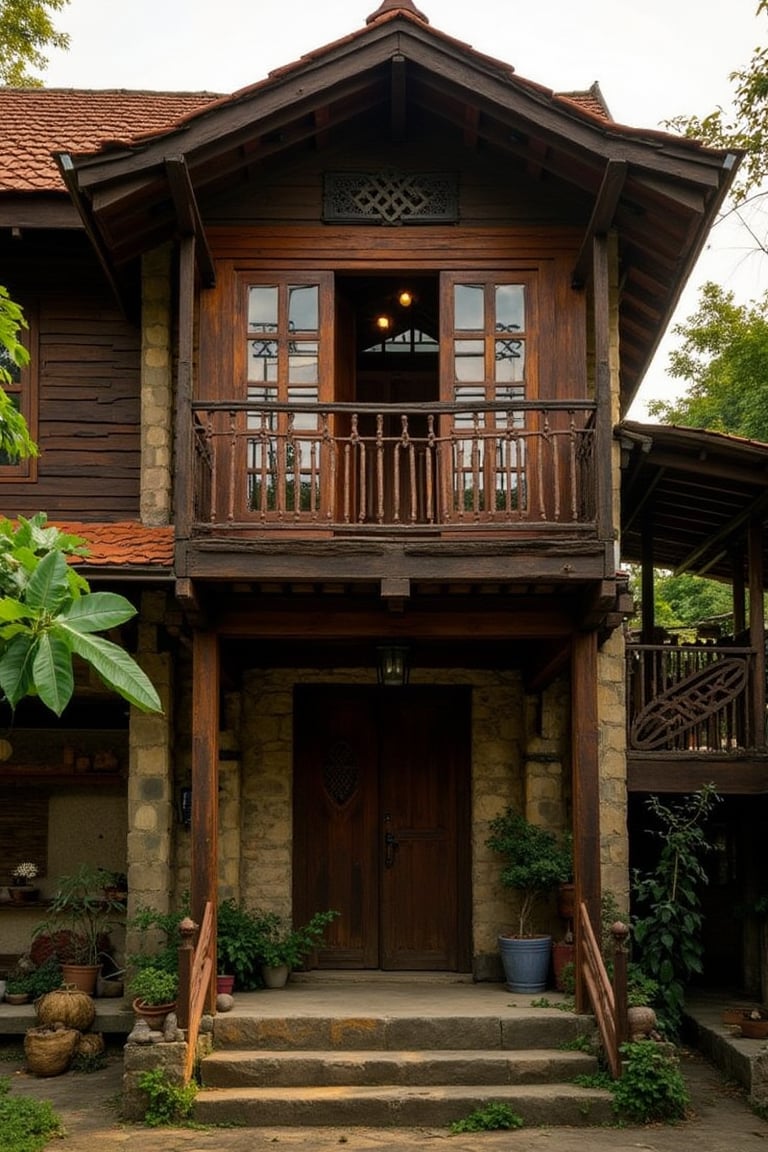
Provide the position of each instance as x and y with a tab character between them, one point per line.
526	962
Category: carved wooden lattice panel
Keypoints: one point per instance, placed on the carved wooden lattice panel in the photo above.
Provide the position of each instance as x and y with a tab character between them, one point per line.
688	704
390	197
341	775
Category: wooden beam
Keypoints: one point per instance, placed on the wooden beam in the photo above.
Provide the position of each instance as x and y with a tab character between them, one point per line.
184	471
188	216
686	773
398	99
601	219
603	453
204	828
719	540
585	772
69	176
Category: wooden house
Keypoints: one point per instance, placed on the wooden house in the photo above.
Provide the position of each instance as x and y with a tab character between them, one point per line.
327	371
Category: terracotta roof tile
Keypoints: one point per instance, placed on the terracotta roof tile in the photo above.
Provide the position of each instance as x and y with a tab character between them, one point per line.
35	122
125	544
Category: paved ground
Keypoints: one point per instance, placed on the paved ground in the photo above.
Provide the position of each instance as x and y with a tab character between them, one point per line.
88	1105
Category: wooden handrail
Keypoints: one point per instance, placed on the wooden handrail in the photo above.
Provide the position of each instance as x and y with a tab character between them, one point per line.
195	974
609	1001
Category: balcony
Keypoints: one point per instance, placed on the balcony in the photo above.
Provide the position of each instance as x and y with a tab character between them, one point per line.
422	469
693	718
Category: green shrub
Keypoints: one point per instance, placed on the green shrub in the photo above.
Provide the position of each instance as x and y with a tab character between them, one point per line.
651	1087
154	986
169	1103
26	1125
493	1117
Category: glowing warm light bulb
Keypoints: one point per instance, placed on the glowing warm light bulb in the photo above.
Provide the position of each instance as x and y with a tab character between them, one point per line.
383	323
405	299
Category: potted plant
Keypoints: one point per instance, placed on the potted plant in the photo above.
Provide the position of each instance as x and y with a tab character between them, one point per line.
154	992
239	935
78	925
282	947
115	885
535	862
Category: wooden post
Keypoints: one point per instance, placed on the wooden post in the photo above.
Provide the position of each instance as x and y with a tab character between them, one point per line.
739	609
205	783
184	485
620	934
604	417
188	929
586	792
757	631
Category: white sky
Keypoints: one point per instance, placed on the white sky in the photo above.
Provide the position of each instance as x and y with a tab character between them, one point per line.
653	60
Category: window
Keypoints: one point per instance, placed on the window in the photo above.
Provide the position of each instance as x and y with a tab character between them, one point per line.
284	361
22	391
486	366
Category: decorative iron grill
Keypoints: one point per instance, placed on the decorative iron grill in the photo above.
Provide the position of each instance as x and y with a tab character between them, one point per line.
390	197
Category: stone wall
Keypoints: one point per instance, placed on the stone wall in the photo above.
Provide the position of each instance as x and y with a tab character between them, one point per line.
156	389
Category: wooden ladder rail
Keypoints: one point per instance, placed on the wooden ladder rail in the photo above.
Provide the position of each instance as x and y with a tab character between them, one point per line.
609	1001
195	975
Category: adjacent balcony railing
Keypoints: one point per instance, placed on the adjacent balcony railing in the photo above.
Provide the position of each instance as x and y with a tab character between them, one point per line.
370	467
691	698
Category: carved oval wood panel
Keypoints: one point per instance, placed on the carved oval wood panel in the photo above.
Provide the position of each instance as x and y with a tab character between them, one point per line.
687	704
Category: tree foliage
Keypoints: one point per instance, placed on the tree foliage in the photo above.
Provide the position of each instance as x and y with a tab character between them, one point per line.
746	127
26	31
15	441
724	358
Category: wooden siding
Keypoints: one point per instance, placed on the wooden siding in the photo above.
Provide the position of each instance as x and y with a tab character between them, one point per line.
89	386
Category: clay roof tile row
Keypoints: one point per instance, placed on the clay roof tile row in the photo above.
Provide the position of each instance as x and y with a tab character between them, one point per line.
125	544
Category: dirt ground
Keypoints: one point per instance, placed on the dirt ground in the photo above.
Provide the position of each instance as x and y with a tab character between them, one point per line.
88	1105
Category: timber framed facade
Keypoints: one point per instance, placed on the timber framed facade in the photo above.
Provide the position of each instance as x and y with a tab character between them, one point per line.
346	351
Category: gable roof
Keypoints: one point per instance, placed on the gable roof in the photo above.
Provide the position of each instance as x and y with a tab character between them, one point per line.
659	192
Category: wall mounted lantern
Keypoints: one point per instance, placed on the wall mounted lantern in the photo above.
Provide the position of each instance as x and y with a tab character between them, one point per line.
393	665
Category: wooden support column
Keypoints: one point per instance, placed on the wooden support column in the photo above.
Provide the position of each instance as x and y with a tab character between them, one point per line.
586	789
648	607
604	417
205	784
739	588
757	629
184	470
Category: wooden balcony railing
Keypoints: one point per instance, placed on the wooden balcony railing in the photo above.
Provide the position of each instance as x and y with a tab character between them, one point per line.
344	466
690	698
607	999
196	963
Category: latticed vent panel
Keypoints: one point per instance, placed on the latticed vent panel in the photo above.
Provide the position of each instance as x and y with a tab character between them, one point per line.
341	775
391	197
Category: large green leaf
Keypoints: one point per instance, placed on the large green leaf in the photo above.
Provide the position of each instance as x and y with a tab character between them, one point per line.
48	586
52	671
117	669
97	611
11	609
16	679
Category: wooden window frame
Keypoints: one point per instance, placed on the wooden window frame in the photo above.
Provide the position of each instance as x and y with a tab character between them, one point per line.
28	391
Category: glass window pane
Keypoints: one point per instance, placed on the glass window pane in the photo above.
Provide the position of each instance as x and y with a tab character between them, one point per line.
304	420
262	308
469	360
469	307
510	360
262	360
302	362
510	307
303	302
469	395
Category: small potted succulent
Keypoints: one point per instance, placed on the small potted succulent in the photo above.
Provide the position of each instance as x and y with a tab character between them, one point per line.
22	889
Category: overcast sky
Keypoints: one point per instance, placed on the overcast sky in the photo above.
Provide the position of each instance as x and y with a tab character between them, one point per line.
653	59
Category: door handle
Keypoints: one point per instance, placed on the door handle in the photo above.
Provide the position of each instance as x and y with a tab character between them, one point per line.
391	846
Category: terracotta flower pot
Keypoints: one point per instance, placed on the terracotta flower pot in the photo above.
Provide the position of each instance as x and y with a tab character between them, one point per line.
82	976
224	985
753	1028
154	1014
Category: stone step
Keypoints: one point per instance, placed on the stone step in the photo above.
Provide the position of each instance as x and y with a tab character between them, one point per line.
524	1030
398	1106
292	1069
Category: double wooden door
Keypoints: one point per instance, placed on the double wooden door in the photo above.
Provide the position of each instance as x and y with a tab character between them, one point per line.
381	824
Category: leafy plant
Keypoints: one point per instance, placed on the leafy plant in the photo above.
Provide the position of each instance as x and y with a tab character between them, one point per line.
535	860
651	1087
160	936
26	1124
668	929
79	917
154	985
241	932
45	978
281	943
169	1103
48	615
492	1117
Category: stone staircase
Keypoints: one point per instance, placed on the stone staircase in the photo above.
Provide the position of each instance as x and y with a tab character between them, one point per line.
401	1055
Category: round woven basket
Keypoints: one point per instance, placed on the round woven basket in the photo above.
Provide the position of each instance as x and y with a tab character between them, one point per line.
49	1051
68	1006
